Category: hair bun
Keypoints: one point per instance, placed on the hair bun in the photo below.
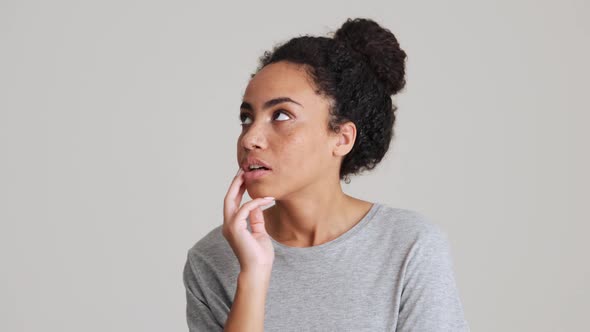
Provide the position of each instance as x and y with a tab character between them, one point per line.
380	49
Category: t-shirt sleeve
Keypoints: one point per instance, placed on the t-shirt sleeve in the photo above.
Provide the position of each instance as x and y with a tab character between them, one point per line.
199	316
430	298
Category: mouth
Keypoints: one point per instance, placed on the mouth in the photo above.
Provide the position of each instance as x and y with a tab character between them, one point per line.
253	164
256	174
263	168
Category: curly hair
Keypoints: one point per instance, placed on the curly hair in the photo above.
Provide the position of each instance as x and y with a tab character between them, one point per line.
358	69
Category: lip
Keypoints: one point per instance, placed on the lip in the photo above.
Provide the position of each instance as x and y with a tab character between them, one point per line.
252	160
254	175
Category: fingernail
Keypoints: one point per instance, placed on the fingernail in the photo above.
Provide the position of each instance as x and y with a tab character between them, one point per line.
239	170
269	198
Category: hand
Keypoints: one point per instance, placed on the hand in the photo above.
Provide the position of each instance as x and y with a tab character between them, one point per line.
255	250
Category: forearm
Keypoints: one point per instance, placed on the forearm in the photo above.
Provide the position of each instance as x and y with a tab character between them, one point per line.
247	310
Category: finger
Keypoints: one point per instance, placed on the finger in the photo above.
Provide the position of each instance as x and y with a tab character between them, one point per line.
241	190
244	211
238	200
257	221
233	197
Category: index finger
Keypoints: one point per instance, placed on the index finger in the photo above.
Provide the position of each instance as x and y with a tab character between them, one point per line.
234	194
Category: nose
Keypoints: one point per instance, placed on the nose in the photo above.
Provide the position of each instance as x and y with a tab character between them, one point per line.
254	137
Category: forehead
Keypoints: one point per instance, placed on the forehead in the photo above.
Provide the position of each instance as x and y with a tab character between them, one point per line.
280	79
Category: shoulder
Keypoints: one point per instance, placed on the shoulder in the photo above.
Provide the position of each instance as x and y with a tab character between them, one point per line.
211	248
410	226
421	244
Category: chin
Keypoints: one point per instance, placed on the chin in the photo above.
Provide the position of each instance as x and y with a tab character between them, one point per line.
257	192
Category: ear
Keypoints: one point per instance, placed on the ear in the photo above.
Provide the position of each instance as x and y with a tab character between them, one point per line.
345	139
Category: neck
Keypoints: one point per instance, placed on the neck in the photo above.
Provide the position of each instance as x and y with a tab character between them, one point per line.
305	220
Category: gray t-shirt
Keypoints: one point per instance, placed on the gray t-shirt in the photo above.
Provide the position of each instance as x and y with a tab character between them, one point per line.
392	271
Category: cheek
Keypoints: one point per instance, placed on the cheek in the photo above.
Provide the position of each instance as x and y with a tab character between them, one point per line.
301	152
292	148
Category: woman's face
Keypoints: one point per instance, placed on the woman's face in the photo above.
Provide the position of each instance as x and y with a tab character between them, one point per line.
291	136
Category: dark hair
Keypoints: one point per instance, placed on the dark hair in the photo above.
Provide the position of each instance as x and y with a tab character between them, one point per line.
358	69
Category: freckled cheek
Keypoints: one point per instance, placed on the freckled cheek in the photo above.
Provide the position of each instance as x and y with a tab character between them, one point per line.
296	153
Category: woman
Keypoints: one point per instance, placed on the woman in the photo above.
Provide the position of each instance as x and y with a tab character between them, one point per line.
317	110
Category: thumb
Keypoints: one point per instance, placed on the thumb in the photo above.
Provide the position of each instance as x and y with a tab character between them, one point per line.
257	221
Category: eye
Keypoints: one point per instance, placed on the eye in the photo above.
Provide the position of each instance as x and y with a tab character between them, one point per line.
244	116
282	112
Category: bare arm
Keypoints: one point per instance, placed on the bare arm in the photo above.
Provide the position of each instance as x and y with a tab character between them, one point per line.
247	310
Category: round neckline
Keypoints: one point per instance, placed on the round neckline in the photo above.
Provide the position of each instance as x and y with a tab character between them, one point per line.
332	243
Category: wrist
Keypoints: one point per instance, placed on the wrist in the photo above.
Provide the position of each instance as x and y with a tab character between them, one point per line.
254	278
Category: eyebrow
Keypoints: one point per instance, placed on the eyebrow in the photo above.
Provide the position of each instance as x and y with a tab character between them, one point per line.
269	103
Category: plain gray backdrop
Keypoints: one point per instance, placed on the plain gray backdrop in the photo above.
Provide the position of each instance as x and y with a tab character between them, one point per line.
119	122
